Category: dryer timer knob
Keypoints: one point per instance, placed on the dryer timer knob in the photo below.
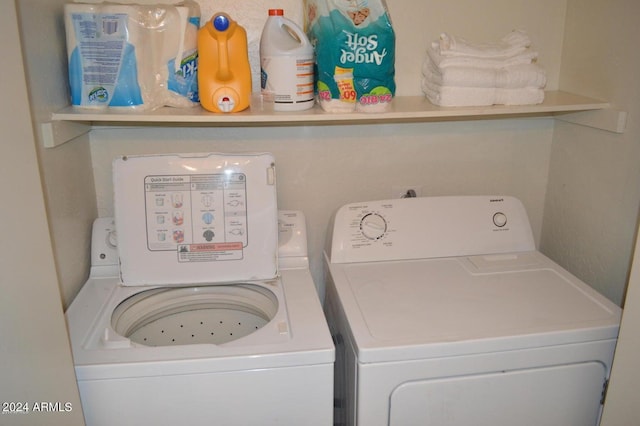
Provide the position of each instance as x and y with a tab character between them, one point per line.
499	219
373	226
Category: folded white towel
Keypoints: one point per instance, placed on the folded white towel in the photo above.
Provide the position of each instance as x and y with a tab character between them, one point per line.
526	57
510	45
451	96
510	77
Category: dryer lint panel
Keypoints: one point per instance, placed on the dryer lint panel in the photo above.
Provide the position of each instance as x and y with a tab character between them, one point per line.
196	218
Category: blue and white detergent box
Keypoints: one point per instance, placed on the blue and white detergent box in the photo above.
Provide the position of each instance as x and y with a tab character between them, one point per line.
137	57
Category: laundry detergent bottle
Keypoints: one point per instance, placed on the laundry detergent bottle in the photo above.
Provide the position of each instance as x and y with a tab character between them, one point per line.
286	64
224	73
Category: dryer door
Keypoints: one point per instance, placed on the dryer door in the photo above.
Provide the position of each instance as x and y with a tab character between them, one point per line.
560	395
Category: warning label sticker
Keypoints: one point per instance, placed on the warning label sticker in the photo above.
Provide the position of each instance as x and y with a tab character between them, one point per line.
209	252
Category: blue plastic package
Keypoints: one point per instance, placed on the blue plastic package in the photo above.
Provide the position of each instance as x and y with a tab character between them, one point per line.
355	54
132	56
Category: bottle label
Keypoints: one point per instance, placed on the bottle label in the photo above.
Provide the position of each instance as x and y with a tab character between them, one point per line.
344	80
288	79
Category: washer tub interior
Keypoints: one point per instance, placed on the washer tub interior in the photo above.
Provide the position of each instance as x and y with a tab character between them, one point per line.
214	314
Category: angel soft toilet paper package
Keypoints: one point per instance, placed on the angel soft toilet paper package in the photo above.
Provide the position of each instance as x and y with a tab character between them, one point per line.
355	54
132	56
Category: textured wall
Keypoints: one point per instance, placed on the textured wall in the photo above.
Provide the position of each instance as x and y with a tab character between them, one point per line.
594	181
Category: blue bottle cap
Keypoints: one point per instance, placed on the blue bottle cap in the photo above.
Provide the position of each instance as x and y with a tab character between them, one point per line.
221	22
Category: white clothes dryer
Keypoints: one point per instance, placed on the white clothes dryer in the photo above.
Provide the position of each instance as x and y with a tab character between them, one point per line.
202	310
444	313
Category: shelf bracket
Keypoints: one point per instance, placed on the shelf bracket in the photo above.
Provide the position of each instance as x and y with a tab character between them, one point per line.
55	133
608	119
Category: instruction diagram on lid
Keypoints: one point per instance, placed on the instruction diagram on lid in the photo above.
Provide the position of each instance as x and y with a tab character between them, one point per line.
203	217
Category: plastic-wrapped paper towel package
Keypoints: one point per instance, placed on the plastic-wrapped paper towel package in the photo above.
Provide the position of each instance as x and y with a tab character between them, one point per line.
355	54
137	57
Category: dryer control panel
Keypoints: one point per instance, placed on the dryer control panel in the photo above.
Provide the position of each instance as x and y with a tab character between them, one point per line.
429	227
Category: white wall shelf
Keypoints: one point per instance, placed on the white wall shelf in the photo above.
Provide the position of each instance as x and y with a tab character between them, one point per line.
70	122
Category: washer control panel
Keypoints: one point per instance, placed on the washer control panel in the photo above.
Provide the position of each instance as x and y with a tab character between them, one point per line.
417	228
104	242
292	238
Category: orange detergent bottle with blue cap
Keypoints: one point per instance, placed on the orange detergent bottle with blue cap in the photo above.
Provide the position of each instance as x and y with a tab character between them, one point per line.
224	73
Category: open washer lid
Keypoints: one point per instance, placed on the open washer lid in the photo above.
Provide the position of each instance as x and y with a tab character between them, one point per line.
196	218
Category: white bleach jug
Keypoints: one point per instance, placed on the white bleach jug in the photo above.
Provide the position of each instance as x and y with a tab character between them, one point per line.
286	64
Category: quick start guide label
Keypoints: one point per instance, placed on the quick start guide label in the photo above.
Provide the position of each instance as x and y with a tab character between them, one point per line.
203	217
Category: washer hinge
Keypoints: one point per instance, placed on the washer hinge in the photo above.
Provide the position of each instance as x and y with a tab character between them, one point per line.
605	387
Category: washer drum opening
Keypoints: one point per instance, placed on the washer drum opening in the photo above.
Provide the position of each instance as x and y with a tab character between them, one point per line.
194	315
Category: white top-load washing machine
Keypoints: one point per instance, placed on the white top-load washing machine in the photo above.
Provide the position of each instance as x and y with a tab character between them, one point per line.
206	312
444	313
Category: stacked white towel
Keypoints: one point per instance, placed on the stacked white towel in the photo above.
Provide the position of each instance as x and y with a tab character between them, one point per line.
457	72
